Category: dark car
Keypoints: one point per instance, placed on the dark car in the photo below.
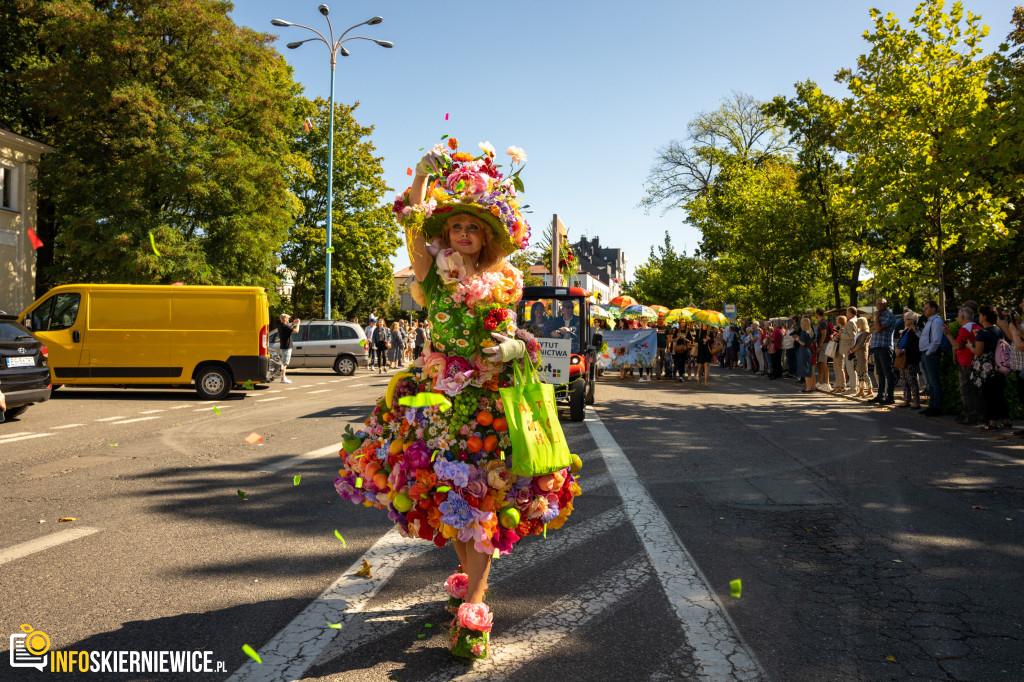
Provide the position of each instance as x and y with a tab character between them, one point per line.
24	373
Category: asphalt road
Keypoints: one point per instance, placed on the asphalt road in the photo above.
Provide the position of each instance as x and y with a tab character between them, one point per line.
865	552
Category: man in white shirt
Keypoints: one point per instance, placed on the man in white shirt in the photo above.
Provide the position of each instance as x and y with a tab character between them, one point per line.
929	342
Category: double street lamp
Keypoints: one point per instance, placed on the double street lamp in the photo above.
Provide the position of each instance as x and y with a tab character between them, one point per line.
336	47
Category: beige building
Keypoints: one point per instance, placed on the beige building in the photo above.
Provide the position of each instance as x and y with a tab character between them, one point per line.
18	156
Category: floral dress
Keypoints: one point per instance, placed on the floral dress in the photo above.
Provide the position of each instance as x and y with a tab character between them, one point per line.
441	473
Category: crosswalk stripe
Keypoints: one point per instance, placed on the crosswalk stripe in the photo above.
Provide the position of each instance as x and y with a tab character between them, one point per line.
917	434
109	419
368	626
999	456
137	419
152	411
534	637
267	400
719	650
290	653
28	437
322	390
46	542
299	459
66	426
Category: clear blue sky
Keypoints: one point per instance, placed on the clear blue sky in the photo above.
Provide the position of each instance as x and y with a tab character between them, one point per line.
588	89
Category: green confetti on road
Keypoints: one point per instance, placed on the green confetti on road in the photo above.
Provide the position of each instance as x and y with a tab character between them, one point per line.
152	242
244	495
359	483
496	554
249	385
251	653
295	481
736	587
330	250
216	410
428	625
421	635
444	489
343	543
113	445
336	626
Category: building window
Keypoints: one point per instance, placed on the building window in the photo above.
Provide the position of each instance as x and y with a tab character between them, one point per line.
7	188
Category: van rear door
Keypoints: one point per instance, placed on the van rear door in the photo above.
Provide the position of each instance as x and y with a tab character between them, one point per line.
57	323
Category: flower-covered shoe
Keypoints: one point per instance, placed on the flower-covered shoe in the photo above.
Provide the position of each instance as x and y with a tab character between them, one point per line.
471	631
456	586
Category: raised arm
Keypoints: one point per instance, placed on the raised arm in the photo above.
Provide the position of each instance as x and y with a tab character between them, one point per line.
419	257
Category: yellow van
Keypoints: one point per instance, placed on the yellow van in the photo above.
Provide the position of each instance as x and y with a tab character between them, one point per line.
122	334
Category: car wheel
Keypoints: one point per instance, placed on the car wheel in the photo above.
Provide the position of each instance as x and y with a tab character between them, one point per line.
213	383
576	402
345	365
14	412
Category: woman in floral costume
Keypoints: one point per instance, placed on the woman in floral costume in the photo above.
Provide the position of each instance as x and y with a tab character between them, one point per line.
433	452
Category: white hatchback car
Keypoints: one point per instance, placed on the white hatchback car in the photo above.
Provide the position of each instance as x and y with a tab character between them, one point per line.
327	343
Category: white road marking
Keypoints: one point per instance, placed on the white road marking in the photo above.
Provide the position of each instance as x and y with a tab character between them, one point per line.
46	542
322	390
758	390
183	407
12	435
371	625
110	419
293	388
34	435
66	426
291	652
918	434
273	391
320	383
312	454
267	400
861	417
137	419
152	411
718	649
538	636
1004	458
210	409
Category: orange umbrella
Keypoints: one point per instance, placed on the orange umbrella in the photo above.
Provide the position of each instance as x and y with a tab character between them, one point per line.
623	301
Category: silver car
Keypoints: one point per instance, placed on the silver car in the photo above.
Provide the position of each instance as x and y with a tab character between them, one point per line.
326	343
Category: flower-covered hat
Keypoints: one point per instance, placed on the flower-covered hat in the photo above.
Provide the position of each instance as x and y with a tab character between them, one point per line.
472	185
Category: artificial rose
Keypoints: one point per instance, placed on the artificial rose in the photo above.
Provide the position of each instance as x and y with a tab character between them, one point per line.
456	376
434	364
507	291
475	617
477	489
468	181
457	584
537	507
523	497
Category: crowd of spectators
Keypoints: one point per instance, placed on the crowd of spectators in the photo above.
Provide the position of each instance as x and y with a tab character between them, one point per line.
869	355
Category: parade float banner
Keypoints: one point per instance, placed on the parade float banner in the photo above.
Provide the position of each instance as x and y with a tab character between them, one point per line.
553	366
628	348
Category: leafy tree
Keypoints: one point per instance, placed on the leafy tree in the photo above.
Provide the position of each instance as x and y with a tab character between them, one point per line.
685	170
917	123
169	120
669	278
836	226
364	234
755	220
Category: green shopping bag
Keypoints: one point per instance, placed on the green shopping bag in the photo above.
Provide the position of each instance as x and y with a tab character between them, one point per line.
538	444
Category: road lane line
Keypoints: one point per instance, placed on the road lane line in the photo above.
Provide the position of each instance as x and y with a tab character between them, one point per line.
718	648
322	390
34	435
536	637
152	411
292	461
858	416
267	400
1002	457
293	388
46	542
373	624
918	434
137	419
66	426
12	435
291	652
210	409
273	391
183	407
109	419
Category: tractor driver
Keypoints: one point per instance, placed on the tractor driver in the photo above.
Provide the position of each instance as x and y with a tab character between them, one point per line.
570	326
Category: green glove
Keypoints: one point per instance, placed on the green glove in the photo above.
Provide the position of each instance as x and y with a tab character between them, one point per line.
507	349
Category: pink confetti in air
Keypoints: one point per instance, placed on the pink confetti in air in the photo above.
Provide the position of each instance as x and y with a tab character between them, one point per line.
446	117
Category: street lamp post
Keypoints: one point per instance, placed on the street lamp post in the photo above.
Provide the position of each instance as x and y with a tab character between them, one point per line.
336	48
